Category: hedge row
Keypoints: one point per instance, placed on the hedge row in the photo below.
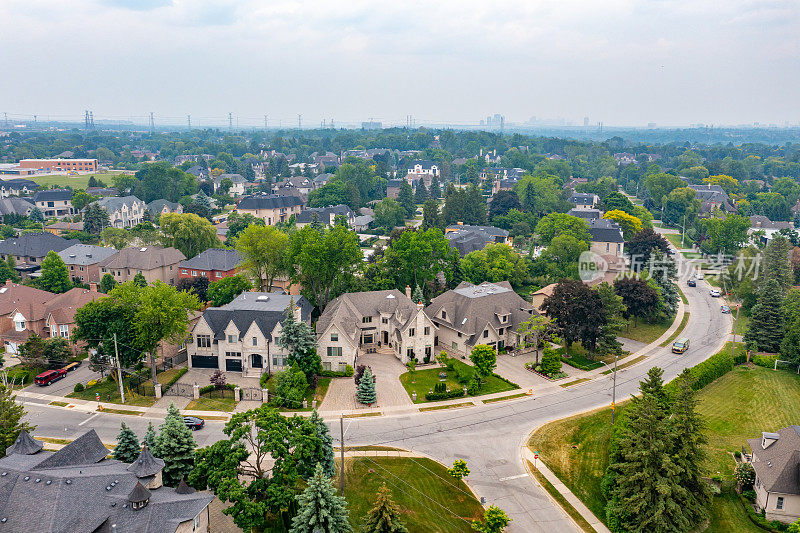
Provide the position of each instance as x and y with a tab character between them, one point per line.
770	525
178	375
210	388
348	373
712	368
455	393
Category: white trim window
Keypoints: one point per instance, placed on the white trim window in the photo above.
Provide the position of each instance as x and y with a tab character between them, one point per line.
63	331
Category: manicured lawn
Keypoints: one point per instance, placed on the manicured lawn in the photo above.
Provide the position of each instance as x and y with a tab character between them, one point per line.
744	322
423	381
675	239
429	499
76	182
214	401
109	393
738	406
310	395
684	321
646	332
580	361
726	514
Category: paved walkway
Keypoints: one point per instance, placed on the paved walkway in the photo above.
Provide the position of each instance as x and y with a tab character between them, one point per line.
387	368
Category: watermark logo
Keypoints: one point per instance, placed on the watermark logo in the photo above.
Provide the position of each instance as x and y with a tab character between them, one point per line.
591	266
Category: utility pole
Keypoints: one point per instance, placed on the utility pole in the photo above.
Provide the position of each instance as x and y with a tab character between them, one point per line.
683	233
119	370
614	392
341	454
735	326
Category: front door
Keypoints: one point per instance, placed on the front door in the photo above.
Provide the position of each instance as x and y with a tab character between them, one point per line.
385	337
256	361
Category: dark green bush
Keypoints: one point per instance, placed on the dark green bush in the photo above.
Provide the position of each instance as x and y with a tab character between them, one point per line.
79	387
447	395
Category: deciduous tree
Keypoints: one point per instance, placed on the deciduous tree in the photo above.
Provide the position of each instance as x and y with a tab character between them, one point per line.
189	233
55	275
223	291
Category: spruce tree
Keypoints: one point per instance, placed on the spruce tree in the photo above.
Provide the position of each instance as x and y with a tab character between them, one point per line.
366	388
385	516
320	509
139	280
435	191
689	450
418	297
11	423
421	194
766	330
776	262
299	340
150	439
613	310
127	448
406	199
325	449
176	447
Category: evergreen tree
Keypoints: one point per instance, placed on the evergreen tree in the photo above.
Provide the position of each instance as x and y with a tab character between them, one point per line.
766	331
55	275
776	262
321	510
151	439
664	272
299	340
613	310
36	215
418	297
689	450
95	219
176	447
421	194
323	453
384	517
406	199
435	190
139	280
202	200
551	361
127	448
11	420
366	388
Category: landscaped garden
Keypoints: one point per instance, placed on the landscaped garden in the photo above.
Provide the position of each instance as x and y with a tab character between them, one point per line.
455	376
108	389
428	497
738	406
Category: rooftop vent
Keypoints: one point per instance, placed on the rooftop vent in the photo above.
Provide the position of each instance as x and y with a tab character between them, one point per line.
390	296
72	256
4	289
143	249
262	298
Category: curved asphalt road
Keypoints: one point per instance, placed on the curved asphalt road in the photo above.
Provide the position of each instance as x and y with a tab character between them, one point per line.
489	437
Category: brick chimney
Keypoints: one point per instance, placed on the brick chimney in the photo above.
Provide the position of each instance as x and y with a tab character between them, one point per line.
93	286
408	291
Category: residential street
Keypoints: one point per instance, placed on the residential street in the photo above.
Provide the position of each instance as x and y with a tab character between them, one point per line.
489	437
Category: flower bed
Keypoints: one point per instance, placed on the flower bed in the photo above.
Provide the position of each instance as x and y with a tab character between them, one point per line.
560	375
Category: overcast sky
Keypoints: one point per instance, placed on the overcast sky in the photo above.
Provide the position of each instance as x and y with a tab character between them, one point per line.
616	61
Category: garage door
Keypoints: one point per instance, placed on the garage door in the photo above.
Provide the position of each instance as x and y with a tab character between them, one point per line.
204	361
233	365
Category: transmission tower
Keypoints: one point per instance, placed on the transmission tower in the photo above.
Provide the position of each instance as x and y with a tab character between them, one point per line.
265	121
91	120
299	122
86	119
230	121
189	121
152	124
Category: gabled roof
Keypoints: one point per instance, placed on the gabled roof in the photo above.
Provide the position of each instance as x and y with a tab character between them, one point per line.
85	254
424	163
25	445
85	450
115	203
235	178
214	259
264	309
157	206
583	198
268	201
347	310
52	195
323	214
468	239
587	214
34	244
144	258
470	308
778	464
604	230
15	206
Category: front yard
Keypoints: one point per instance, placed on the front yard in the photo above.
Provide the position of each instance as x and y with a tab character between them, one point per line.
108	389
423	381
646	332
311	393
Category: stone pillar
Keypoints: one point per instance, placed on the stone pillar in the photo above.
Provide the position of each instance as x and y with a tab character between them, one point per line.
265	395
237	394
158	391
305	403
314	404
196	391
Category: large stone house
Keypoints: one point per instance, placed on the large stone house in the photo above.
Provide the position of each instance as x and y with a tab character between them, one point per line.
584	200
607	239
466	239
214	264
270	208
468	315
242	335
776	461
123	212
78	489
360	322
153	262
55	203
325	216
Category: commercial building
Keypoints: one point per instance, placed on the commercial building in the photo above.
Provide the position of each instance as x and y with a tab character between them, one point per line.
60	165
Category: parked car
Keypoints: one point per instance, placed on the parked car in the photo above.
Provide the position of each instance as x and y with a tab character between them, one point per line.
714	293
699	275
726	310
72	366
671	251
680	345
692	282
49	376
194	423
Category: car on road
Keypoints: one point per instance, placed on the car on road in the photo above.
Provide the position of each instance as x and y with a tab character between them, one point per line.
692	283
671	251
680	345
194	423
714	293
699	275
726	310
72	366
49	376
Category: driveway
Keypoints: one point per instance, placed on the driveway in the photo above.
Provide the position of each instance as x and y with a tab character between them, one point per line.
202	376
64	386
387	368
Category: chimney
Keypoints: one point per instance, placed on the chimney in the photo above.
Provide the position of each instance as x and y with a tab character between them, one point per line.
420	305
93	286
408	291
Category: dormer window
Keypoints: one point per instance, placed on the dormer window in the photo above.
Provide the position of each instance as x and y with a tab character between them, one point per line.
19	325
504	319
366	320
444	313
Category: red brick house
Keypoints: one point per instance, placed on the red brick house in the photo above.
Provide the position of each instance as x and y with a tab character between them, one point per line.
214	264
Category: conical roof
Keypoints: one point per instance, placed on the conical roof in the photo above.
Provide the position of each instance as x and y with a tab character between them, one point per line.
139	493
146	464
25	445
183	488
85	450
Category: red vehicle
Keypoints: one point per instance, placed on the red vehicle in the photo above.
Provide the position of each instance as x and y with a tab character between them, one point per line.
49	376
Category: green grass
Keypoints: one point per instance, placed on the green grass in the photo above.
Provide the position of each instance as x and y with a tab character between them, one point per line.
214	401
362	415
59	404
624	365
423	381
683	296
76	182
736	407
562	501
726	514
578	358
447	406
571	383
684	321
675	239
503	398
692	255
646	332
121	411
429	499
744	323
109	393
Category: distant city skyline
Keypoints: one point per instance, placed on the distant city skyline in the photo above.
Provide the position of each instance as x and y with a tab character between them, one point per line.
620	63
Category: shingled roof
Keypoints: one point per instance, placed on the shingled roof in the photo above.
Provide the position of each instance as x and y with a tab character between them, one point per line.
268	201
265	309
348	309
85	450
146	464
25	445
145	258
34	244
776	460
214	259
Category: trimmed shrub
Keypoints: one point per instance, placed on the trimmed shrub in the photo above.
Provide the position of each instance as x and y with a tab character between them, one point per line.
79	387
704	373
447	395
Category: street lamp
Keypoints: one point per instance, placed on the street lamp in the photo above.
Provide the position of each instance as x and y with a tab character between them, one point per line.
614	388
